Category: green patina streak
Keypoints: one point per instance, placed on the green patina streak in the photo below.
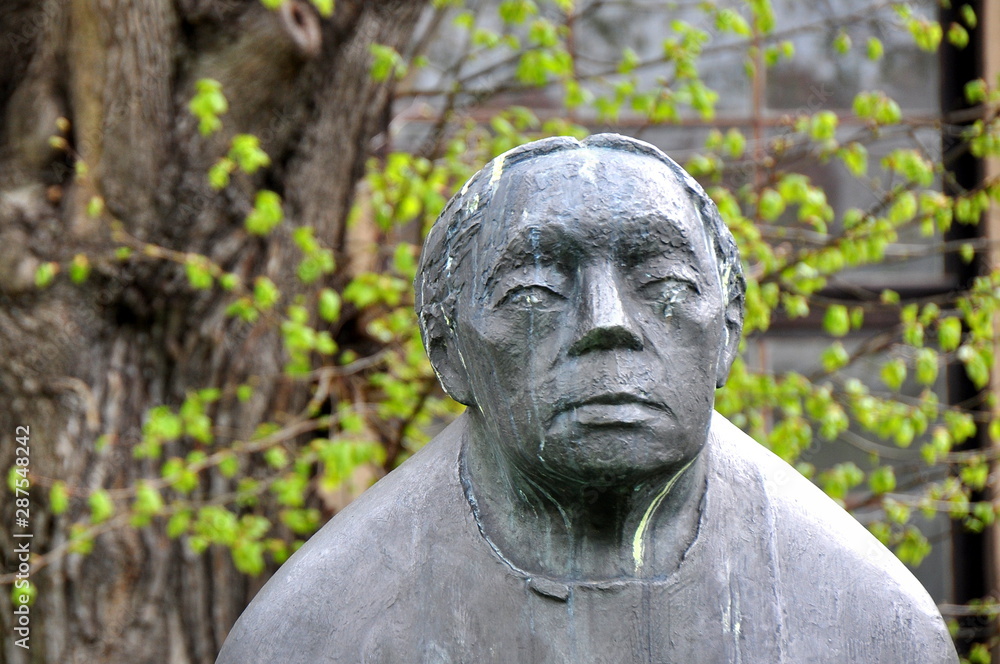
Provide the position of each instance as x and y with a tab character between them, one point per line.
638	541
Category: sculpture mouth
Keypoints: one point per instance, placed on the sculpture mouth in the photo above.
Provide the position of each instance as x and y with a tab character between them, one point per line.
615	399
614	409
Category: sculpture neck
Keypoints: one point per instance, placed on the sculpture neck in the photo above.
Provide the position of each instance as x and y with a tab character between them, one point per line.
576	531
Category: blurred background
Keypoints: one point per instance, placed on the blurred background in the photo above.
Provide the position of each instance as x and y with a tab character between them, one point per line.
211	212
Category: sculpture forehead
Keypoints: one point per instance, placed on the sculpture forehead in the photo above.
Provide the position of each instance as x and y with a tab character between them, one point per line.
601	196
595	177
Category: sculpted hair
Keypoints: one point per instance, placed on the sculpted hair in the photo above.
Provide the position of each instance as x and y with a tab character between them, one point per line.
438	281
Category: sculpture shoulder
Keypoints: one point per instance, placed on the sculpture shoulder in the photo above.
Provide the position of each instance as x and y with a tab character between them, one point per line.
842	579
352	569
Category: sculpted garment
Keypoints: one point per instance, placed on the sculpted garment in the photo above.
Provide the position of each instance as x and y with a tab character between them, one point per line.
777	573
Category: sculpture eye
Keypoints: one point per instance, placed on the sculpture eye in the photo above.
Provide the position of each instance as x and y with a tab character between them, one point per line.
531	295
667	292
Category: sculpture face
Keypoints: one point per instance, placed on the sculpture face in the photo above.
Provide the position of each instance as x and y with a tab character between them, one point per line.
593	332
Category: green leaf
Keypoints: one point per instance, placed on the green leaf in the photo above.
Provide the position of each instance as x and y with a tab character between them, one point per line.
301	521
857	317
855	158
148	501
926	33
324	7
517	11
958	36
882	480
927	366
980	652
164	424
940	445
881	530
975	475
58	497
912	165
229	465
837	321
266	214
543	33
276	457
178	524
329	305
198	270
770	205
796	306
903	209
80	541
23	594
229	281
949	333
207	104
874	49
630	60
878	107
913	547
977	363
729	20
45	273
79	268
248	557
218	174
894	373
894	511
840	479
244	309
386	61
735	143
969	16
265	293
835	357
95	207
842	43
325	343
247	153
975	91
101	506
464	20
179	475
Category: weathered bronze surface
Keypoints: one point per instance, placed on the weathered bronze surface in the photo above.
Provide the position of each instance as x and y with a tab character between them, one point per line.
585	300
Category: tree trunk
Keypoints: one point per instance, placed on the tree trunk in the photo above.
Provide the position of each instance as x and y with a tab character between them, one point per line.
82	363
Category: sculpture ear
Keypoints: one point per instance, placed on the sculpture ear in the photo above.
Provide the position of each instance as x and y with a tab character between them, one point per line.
446	360
730	346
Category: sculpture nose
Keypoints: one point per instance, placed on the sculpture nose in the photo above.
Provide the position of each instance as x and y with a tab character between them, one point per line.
604	323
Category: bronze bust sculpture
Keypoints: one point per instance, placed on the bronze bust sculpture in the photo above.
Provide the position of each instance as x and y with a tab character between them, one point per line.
584	299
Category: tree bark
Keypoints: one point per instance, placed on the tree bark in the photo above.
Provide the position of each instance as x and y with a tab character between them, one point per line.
83	362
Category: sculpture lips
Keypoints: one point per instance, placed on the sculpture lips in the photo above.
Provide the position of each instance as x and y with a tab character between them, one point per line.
615	410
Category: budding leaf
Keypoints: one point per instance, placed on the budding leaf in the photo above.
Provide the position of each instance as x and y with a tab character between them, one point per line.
101	506
837	320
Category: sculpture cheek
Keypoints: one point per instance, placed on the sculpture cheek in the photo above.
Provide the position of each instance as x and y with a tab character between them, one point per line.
704	313
518	329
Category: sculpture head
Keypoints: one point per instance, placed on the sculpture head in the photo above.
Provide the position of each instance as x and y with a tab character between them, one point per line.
585	300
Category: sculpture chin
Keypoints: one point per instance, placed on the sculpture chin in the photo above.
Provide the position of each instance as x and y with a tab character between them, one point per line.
619	445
